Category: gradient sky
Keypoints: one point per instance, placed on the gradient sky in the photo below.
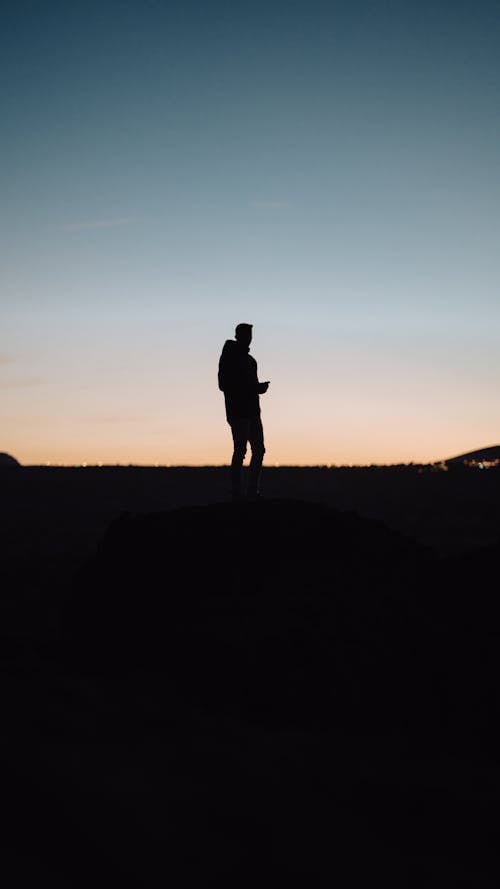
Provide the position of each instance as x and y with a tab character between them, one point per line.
329	172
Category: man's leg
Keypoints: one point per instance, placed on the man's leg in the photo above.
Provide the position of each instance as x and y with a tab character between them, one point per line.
256	439
240	431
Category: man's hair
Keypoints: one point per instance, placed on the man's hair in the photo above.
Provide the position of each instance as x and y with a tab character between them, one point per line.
242	328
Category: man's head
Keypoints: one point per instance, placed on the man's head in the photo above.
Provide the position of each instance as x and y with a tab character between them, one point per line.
243	334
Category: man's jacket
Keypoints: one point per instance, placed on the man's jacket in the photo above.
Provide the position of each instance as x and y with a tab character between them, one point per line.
239	382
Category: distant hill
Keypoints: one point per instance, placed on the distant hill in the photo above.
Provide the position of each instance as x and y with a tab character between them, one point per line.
483	455
7	461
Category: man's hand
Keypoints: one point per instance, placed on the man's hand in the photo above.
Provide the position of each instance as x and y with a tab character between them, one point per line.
263	387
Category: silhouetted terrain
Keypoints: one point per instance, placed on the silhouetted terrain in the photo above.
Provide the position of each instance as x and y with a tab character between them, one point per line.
7	461
293	691
489	454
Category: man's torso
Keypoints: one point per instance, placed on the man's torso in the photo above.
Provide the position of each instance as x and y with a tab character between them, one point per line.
239	381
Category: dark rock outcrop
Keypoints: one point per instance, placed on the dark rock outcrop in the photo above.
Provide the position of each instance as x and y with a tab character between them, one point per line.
293	612
277	693
289	610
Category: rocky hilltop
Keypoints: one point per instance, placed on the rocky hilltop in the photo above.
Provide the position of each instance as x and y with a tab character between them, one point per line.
275	688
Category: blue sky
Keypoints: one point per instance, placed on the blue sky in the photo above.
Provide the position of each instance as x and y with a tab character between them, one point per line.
326	171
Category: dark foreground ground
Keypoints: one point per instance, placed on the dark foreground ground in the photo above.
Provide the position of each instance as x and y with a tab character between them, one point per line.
302	691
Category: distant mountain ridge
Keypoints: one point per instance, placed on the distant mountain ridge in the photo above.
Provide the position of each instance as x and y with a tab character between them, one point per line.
482	455
7	460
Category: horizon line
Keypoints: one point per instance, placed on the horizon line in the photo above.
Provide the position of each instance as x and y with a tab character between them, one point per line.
119	465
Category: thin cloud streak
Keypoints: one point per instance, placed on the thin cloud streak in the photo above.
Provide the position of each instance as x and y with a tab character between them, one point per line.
97	223
21	383
271	205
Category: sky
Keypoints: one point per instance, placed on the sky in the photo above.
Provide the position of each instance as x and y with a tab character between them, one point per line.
328	172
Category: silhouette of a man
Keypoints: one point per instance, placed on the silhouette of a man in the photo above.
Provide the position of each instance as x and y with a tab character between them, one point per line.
239	382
